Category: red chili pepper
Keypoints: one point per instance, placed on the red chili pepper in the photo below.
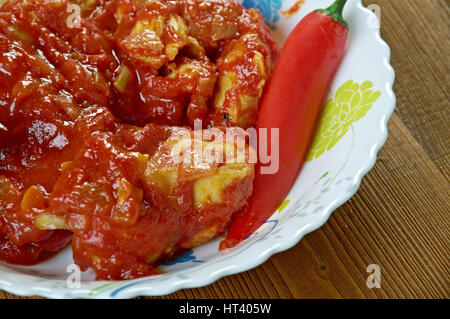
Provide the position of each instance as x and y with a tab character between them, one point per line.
292	103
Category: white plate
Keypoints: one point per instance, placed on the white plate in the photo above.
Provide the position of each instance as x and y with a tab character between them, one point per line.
346	150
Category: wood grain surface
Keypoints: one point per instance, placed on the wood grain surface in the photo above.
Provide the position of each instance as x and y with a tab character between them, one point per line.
399	219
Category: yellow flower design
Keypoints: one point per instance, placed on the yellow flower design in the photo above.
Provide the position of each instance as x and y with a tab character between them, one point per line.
350	104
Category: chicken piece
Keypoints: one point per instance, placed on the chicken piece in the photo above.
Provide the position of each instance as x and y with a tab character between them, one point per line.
11	212
197	78
182	88
152	45
177	36
218	170
156	37
144	43
212	22
243	71
20	242
129	210
210	161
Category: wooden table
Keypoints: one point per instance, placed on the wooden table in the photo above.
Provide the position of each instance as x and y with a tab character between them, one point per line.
399	217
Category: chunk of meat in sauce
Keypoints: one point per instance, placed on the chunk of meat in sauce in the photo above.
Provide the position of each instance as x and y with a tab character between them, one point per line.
128	210
243	72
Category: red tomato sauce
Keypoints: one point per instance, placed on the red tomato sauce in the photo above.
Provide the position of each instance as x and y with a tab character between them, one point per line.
86	105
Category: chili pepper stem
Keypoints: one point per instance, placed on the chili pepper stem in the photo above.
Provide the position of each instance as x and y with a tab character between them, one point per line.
335	11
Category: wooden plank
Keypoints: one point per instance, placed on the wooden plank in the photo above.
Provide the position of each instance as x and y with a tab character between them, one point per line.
417	32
